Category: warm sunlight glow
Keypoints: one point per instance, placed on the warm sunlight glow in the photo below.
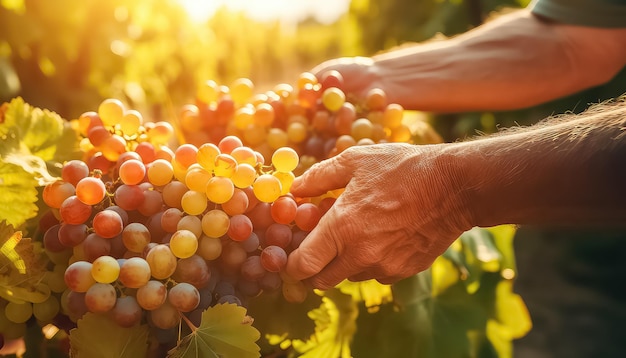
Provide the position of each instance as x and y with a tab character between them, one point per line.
287	11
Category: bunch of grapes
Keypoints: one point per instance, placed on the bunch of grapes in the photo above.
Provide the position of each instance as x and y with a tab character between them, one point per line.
142	232
146	233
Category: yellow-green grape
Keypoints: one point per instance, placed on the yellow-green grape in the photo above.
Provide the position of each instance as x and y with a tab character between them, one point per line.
206	156
244	155
47	310
197	178
113	147
392	116
131	122
333	98
183	244
18	312
241	90
105	269
208	91
194	202
160	172
243	117
180	172
267	188
111	111
286	179
225	165
277	138
215	223
296	132
160	133
220	189
244	176
362	128
162	261
285	159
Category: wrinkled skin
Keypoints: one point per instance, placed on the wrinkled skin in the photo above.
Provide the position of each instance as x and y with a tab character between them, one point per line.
401	208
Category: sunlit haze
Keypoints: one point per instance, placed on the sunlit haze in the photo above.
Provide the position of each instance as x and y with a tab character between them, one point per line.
287	11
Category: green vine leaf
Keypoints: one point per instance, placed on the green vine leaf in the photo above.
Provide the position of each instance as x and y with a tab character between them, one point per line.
281	320
98	336
371	292
18	194
335	322
22	266
225	332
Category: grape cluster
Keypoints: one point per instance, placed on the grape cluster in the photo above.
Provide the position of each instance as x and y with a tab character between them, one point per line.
143	232
146	233
314	117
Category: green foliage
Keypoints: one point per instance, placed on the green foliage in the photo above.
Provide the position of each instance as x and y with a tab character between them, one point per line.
34	140
23	266
98	336
225	331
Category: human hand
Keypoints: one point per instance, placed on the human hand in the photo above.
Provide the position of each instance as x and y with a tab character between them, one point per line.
358	74
401	208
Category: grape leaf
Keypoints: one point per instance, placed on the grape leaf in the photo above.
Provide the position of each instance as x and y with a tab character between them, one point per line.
275	316
32	137
371	292
18	194
335	322
225	331
98	336
23	264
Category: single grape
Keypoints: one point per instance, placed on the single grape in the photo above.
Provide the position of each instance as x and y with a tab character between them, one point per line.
252	269
73	171
267	188
307	216
134	272
74	212
240	227
78	276
152	295
126	312
220	189
193	270
184	297
18	312
162	262
285	159
132	172
273	258
105	269
107	224
183	244
215	223
46	311
100	297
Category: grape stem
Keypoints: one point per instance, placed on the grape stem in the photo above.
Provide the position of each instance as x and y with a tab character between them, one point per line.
189	323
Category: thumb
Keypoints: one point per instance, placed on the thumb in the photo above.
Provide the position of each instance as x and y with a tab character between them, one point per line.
329	174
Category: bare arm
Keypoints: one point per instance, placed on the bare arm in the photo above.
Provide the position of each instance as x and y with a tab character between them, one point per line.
565	171
515	61
403	205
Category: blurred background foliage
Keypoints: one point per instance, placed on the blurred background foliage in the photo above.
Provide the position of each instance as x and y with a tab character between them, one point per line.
68	55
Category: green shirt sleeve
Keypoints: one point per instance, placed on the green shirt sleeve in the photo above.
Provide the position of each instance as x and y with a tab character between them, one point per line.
596	13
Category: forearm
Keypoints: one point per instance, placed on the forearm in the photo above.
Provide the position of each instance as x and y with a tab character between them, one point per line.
565	171
515	61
